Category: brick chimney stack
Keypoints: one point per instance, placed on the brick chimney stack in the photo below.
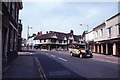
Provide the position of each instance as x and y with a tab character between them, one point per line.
46	32
40	32
71	31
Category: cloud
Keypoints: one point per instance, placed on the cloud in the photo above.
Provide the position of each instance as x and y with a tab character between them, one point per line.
64	16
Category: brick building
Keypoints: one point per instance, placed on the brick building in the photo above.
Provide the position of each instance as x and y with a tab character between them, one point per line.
10	30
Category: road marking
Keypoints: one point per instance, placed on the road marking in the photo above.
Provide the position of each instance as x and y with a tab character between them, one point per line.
46	53
105	61
62	59
42	74
31	53
52	55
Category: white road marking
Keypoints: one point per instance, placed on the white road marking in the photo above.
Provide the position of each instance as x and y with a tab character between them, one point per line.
105	61
46	53
62	59
52	55
31	53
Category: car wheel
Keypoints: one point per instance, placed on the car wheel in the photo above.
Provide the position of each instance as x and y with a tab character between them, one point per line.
81	55
71	53
91	55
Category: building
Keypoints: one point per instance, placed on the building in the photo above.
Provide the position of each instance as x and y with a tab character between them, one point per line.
19	36
89	39
10	30
30	42
57	40
105	38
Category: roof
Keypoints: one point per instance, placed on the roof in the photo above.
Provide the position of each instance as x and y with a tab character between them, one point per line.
60	36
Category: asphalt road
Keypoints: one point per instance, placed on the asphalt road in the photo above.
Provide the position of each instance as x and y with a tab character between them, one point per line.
62	65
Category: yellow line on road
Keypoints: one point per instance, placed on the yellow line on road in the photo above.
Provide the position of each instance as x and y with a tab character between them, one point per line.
42	74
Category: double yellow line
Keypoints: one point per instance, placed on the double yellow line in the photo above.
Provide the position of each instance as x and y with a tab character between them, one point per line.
42	74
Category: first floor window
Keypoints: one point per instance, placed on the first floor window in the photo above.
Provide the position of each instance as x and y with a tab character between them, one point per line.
119	28
109	29
44	40
11	40
60	41
70	41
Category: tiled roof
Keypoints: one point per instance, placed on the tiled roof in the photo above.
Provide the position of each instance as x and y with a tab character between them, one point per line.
59	35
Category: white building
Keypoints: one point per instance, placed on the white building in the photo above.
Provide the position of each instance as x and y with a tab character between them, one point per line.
106	36
57	40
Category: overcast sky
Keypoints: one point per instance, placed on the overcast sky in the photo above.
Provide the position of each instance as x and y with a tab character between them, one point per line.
65	16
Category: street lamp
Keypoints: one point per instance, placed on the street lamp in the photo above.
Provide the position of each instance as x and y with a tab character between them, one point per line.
87	32
28	35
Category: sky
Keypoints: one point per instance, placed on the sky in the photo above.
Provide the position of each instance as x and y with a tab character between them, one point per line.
64	16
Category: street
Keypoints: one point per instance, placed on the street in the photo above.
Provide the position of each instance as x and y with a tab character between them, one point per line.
59	64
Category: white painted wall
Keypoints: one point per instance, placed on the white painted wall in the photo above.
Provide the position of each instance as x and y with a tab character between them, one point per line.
89	36
114	30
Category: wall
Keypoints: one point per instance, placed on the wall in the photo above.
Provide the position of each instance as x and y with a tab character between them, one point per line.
89	36
107	24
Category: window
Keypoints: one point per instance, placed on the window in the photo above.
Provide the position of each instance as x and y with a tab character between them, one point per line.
53	40
96	35
70	41
109	30
40	41
60	41
119	29
64	41
44	40
13	10
101	33
11	39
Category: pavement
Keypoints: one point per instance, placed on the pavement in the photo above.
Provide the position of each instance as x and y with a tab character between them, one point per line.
22	67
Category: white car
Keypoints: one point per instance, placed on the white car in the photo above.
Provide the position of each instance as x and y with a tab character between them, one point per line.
79	50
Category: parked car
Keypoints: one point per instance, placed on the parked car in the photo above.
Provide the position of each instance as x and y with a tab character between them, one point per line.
79	50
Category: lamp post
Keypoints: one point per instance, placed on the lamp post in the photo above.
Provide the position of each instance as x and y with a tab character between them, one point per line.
87	33
28	36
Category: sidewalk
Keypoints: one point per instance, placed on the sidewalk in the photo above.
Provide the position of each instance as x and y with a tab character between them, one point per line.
106	58
22	67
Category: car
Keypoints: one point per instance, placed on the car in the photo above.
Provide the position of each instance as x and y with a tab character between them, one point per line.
79	50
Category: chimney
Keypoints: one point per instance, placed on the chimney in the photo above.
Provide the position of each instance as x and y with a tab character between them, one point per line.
46	32
34	34
71	31
19	21
40	32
